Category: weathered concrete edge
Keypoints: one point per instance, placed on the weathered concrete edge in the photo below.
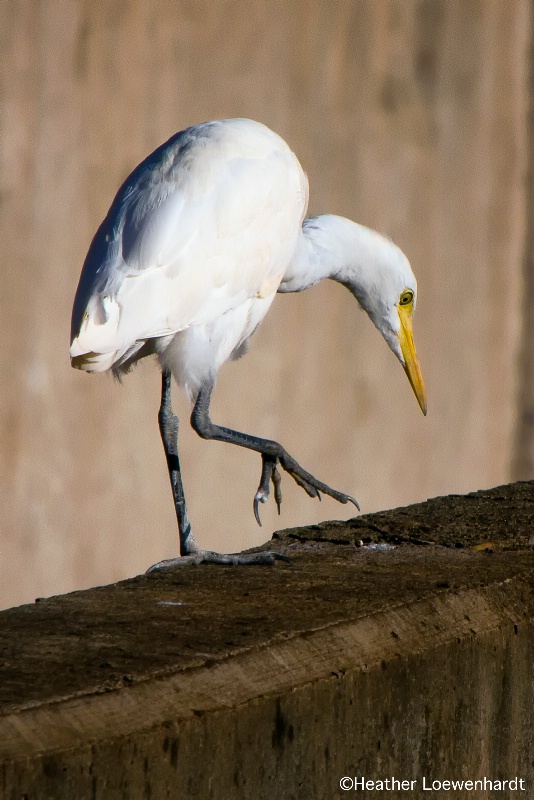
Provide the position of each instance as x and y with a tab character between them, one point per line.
274	668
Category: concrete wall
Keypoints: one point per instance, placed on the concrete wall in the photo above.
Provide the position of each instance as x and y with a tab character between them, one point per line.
408	116
411	662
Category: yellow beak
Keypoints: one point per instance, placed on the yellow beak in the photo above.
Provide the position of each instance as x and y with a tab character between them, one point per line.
411	362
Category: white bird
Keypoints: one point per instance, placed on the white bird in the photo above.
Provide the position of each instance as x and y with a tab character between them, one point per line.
186	264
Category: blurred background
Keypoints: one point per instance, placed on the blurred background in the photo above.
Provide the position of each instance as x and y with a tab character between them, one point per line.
410	116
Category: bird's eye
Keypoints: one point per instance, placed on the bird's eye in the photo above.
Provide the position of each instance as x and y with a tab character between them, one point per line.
406	298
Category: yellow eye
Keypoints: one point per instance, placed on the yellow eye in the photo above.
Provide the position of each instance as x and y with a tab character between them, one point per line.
406	298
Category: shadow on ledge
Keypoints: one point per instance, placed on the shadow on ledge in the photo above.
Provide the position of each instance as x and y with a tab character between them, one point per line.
398	645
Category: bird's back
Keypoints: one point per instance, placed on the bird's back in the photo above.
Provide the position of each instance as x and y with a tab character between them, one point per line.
203	225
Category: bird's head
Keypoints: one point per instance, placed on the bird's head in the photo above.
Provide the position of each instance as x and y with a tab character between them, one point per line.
396	327
381	279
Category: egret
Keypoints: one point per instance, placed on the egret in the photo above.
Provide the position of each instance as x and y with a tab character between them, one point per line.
197	242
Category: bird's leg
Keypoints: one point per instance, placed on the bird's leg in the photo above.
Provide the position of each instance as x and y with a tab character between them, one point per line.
272	454
190	553
168	426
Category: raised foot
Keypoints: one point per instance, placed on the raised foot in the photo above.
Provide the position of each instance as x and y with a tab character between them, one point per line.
264	557
312	486
269	473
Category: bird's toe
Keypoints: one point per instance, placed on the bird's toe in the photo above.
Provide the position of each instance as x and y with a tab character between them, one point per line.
269	472
261	558
311	485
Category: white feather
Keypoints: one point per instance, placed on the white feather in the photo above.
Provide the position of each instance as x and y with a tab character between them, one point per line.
198	237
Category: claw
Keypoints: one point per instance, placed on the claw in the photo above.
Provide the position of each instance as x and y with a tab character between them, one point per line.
280	557
353	501
258	498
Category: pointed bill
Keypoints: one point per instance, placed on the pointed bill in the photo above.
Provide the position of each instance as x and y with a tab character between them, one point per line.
411	362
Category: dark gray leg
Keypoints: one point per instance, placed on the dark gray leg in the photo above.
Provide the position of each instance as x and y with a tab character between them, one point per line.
168	427
190	553
272	453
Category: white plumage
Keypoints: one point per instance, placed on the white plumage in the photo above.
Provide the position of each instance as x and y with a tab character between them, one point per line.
186	264
183	251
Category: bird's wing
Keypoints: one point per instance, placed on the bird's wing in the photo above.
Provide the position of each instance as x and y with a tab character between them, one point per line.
197	229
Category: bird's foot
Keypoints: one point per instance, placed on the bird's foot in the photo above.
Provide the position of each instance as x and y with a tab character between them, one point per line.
312	486
264	557
269	472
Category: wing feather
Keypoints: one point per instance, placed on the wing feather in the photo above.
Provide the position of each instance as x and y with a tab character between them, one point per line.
208	221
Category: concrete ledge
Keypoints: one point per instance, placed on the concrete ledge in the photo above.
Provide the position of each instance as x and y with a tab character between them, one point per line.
413	662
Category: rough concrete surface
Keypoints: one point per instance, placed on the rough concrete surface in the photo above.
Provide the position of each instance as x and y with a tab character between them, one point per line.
398	644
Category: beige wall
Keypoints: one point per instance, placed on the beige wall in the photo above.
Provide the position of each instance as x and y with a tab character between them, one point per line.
408	116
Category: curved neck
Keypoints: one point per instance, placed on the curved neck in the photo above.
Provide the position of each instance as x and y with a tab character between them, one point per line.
337	248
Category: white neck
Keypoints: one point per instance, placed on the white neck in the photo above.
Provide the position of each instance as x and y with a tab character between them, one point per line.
344	251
